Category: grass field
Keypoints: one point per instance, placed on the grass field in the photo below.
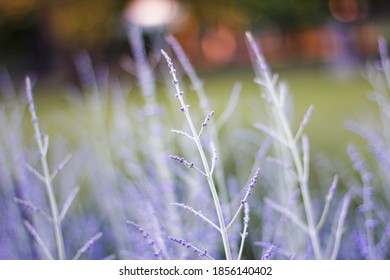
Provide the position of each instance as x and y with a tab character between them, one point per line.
335	100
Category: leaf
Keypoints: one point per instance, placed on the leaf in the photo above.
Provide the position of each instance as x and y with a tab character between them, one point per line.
68	202
38	239
60	166
87	245
270	132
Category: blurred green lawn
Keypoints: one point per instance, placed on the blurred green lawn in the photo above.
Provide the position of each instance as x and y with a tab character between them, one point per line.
335	101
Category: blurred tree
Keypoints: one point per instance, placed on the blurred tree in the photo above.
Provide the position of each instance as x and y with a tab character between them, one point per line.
287	14
83	23
17	9
71	23
228	12
33	30
17	20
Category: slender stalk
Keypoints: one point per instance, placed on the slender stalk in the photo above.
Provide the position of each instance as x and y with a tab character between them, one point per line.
196	213
147	84
148	89
197	84
247	194
340	224
327	203
244	233
267	81
42	146
207	170
38	239
287	213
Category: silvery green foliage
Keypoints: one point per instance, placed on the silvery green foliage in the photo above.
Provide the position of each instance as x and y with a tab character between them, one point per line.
299	232
372	232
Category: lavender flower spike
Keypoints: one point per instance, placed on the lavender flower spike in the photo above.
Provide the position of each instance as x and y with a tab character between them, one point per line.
186	163
251	186
202	253
206	121
208	118
267	255
247	194
157	251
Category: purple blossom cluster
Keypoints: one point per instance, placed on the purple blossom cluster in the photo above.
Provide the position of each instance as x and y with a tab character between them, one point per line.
145	234
208	118
251	186
182	161
201	253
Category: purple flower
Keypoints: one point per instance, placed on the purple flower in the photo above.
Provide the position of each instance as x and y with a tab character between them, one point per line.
203	253
146	236
208	118
182	161
186	107
267	255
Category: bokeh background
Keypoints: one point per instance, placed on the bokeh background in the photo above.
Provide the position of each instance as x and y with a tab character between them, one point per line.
41	35
319	46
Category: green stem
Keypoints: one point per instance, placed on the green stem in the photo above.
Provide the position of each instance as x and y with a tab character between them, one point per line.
218	208
207	170
46	175
302	173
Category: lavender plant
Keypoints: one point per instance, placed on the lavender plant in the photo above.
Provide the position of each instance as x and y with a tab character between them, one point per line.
207	170
136	167
293	160
205	105
372	214
144	193
14	181
112	153
46	177
153	113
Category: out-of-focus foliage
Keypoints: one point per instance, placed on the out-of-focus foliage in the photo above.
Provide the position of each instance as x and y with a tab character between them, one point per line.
71	23
288	14
85	23
41	35
16	9
285	13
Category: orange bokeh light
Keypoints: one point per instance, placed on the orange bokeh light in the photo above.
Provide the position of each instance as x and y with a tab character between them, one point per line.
348	10
219	45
